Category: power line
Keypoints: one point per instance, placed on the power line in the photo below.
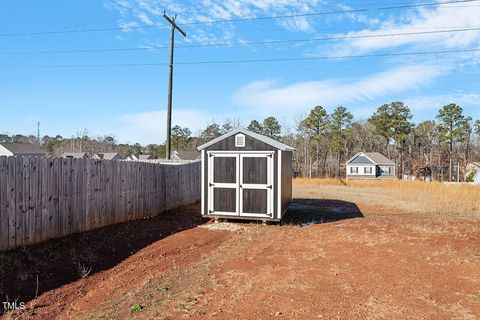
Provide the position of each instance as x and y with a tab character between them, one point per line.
53	32
252	43
330	57
335	12
35	33
252	60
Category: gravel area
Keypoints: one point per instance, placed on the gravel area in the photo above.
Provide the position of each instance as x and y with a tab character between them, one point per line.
222	226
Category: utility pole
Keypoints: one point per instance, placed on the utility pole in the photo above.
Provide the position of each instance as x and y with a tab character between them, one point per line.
170	80
38	132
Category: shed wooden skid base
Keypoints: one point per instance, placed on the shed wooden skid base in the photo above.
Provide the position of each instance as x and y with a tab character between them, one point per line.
220	218
246	176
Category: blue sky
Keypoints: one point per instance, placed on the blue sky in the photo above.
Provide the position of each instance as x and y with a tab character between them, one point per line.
69	92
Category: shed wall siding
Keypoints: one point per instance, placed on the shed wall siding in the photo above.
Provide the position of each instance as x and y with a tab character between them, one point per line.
286	176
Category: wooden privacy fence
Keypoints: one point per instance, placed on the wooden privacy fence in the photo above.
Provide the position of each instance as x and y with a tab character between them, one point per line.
43	198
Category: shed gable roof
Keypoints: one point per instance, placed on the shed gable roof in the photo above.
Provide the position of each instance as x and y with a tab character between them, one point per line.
260	137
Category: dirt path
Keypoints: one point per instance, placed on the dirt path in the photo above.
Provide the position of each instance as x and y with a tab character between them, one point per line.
382	266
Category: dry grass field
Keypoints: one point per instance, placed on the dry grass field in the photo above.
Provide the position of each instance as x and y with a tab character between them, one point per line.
346	250
413	196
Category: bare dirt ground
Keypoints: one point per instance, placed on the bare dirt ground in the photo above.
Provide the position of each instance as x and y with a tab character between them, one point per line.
359	261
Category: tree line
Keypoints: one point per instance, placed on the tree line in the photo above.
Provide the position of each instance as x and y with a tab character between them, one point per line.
442	146
324	141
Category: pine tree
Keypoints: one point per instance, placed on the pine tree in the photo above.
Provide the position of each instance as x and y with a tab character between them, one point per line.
381	121
341	121
452	128
255	126
392	122
318	123
271	128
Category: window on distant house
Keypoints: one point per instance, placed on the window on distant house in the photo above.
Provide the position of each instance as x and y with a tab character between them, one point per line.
386	170
353	169
367	170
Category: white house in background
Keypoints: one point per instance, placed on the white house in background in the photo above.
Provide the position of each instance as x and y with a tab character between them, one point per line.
370	165
21	149
473	169
75	155
139	157
186	155
476	178
107	156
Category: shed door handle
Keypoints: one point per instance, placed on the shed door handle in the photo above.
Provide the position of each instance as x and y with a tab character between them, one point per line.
269	187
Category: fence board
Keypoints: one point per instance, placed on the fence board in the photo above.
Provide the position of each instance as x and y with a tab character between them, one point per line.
3	203
43	198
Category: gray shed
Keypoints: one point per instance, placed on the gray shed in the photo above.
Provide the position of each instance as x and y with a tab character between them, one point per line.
246	175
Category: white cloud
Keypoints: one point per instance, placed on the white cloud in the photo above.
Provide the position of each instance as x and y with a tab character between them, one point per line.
150	12
301	96
145	18
438	18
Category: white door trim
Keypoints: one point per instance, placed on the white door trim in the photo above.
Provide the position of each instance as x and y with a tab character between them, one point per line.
268	186
212	185
279	185
203	183
238	185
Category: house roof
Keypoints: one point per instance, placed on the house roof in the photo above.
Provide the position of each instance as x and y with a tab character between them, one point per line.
108	155
24	148
145	156
136	156
76	155
475	164
375	157
187	154
265	139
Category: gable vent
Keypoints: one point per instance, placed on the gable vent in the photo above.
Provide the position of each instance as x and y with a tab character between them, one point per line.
240	140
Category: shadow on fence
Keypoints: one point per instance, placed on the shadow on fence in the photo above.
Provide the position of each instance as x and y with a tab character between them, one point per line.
59	261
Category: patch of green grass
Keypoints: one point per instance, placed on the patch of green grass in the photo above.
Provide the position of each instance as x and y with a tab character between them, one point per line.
476	297
163	289
136	308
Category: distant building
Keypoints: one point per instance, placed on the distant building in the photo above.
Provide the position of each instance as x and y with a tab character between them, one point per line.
21	149
370	165
476	178
139	157
75	155
107	156
185	155
473	169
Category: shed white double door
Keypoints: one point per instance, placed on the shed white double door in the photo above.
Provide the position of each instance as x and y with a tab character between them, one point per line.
240	184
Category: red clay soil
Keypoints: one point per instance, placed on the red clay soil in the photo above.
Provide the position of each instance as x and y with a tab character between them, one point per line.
360	263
